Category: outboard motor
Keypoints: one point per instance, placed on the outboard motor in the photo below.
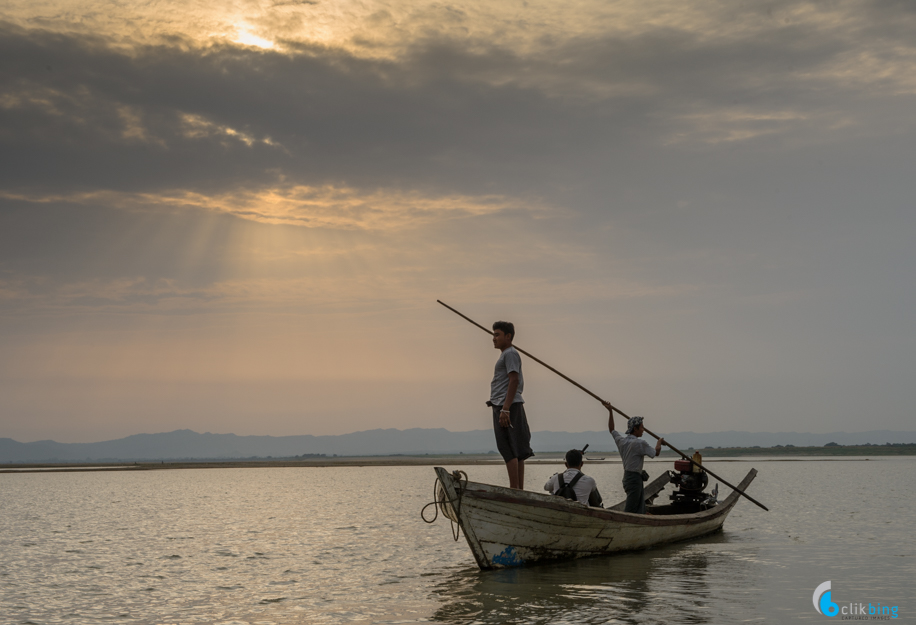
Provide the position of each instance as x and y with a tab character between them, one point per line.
690	481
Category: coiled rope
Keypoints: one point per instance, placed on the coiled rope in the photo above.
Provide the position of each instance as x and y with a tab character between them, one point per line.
462	478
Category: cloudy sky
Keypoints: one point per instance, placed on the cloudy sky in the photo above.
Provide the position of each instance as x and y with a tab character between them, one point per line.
238	216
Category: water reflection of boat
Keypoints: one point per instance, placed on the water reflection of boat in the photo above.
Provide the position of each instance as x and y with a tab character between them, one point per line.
506	527
670	584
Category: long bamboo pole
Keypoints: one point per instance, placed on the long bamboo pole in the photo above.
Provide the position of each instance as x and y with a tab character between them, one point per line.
612	407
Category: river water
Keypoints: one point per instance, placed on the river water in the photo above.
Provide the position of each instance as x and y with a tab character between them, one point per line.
343	545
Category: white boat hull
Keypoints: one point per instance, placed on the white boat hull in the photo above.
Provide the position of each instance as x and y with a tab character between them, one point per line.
507	527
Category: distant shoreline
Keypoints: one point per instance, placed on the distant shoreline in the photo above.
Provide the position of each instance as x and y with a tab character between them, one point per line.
190	446
734	454
826	450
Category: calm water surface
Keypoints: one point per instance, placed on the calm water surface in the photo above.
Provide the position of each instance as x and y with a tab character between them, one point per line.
342	545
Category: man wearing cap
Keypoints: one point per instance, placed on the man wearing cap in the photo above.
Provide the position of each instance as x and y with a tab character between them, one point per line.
585	487
632	450
510	425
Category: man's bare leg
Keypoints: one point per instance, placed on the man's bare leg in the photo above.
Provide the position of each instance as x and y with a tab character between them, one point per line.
513	468
521	474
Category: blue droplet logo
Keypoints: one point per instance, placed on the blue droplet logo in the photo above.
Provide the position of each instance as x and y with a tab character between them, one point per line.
827	606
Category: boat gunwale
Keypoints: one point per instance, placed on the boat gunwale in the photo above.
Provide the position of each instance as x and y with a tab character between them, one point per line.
538	500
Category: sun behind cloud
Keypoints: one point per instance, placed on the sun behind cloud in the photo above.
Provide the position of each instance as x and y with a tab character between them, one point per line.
248	38
326	206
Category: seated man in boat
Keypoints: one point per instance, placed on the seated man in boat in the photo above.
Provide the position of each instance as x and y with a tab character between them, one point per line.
632	450
584	486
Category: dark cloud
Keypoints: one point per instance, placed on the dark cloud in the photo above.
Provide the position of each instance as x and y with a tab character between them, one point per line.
704	139
80	112
329	117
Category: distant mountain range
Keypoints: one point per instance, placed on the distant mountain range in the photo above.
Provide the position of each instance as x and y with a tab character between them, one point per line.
186	444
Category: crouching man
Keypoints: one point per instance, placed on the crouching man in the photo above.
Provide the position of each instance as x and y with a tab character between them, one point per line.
583	487
632	450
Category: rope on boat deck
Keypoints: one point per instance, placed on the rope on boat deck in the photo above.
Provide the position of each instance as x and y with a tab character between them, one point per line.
462	478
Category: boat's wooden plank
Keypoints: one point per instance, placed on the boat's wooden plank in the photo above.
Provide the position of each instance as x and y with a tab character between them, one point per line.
599	513
512	496
536	531
525	553
509	527
564	518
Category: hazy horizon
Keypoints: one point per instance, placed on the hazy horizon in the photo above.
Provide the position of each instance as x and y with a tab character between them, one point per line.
149	433
239	217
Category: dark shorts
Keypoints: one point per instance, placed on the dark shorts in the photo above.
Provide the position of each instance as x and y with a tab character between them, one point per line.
513	443
636	498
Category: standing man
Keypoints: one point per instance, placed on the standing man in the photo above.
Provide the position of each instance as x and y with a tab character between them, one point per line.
632	449
513	438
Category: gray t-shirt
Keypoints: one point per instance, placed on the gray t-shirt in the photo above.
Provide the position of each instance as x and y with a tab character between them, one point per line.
508	360
632	449
583	488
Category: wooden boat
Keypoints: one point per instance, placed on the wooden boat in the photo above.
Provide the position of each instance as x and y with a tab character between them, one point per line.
507	527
